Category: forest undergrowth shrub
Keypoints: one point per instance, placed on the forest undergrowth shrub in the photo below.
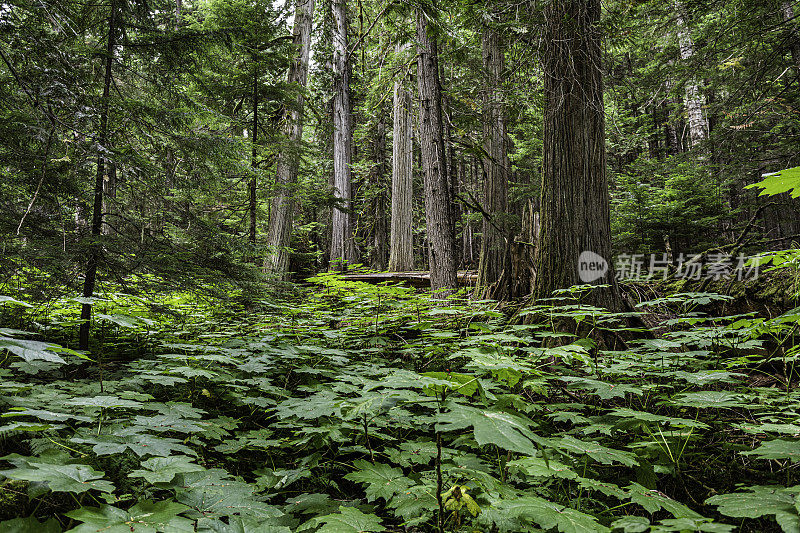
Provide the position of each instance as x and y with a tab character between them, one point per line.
372	408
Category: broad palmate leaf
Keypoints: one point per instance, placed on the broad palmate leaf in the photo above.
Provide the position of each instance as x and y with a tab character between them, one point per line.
777	449
75	478
163	469
505	430
548	515
349	520
30	525
760	501
144	517
383	481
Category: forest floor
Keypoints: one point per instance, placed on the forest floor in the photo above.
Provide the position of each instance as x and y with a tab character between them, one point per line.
351	407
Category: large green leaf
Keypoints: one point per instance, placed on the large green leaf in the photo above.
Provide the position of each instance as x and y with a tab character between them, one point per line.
212	493
323	403
548	515
44	414
141	444
239	525
464	384
631	524
164	423
759	501
126	321
416	504
371	403
107	402
383	481
779	182
32	350
418	452
8	300
704	377
539	467
605	390
349	520
505	430
30	525
644	416
777	449
709	399
144	517
163	469
596	451
75	478
279	479
685	525
653	500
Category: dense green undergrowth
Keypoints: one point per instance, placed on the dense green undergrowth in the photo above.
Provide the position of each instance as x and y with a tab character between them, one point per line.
358	408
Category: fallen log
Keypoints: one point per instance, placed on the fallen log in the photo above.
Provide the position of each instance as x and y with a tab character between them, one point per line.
419	279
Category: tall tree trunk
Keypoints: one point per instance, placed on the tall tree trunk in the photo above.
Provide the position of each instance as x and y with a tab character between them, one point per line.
401	251
464	188
653	145
97	207
438	197
496	165
380	247
787	8
575	215
276	260
342	246
693	99
253	162
109	193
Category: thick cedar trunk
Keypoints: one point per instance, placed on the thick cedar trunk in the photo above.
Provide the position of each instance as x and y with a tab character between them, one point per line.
693	99
380	247
448	158
401	251
575	203
438	198
253	161
496	165
342	246
97	207
280	218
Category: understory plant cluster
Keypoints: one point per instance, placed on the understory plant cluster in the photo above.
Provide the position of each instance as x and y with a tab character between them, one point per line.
358	408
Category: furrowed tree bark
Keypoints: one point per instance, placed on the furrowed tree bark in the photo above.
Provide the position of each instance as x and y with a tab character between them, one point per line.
438	197
380	247
575	214
342	246
693	99
95	248
496	165
401	251
276	261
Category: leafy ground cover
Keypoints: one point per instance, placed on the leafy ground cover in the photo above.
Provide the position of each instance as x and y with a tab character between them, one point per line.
355	408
